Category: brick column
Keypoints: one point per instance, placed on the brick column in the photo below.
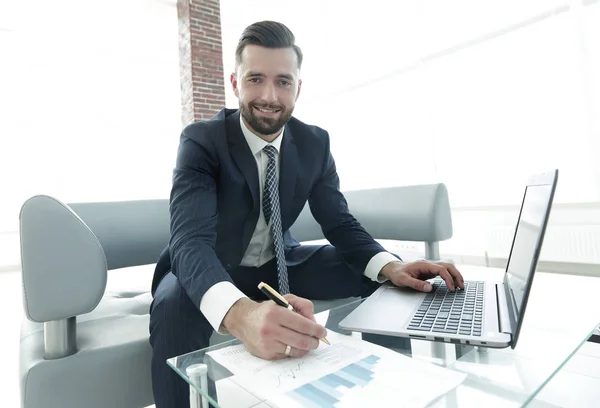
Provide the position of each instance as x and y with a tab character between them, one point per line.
200	59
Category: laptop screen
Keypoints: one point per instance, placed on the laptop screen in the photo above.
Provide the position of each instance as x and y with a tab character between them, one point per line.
527	242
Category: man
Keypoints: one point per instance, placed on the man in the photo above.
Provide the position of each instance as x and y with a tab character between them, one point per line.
240	181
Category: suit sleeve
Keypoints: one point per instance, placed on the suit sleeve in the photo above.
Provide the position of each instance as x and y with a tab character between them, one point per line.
193	210
342	230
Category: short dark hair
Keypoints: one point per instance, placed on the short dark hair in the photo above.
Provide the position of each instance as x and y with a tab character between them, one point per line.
269	34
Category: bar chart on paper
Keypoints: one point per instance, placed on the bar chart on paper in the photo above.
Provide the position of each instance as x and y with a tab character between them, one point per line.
348	373
328	391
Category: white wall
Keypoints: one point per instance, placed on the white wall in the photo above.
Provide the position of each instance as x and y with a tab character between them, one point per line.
89	101
478	95
474	94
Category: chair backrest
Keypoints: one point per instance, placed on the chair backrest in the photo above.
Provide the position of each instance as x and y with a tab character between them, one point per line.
131	232
66	250
406	213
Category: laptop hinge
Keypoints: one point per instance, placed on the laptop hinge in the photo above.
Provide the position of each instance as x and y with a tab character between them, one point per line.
504	320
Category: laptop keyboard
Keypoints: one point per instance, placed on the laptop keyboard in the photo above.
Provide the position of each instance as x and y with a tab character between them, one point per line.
458	312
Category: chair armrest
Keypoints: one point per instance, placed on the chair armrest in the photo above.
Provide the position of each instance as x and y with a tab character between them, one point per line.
64	268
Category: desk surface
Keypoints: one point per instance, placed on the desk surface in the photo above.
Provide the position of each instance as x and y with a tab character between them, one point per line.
561	315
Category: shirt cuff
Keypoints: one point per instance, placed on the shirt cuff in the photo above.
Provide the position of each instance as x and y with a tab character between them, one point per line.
217	301
376	264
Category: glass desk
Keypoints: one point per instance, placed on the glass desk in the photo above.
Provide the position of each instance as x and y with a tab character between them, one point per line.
553	330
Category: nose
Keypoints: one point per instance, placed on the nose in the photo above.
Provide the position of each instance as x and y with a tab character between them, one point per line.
268	93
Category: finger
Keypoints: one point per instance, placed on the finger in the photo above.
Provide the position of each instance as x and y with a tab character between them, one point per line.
458	279
301	324
294	352
417	284
303	306
426	274
264	351
445	275
296	340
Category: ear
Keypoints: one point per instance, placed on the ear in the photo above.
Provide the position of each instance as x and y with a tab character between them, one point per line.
234	84
299	88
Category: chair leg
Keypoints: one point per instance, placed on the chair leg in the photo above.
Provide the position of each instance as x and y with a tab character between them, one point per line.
432	251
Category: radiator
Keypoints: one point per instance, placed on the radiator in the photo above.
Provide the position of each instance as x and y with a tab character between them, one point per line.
562	243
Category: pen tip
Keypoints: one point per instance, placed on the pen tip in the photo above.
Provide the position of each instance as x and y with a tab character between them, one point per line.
324	340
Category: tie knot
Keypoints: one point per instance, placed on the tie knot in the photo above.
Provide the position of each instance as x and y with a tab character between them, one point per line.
270	151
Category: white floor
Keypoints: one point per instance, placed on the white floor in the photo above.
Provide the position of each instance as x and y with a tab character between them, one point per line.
577	385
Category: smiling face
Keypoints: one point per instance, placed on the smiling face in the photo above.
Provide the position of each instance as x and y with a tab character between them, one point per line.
267	84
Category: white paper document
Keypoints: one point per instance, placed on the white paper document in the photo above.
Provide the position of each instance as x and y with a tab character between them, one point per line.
348	373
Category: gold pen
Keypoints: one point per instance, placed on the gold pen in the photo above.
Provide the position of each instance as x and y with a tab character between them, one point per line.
280	300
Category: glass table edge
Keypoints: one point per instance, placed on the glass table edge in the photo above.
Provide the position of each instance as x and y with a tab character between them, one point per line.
237	341
559	366
172	361
184	376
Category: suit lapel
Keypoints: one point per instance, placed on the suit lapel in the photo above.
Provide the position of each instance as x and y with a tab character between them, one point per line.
288	171
243	156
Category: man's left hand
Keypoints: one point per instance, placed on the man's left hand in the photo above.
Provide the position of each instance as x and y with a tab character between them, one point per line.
414	274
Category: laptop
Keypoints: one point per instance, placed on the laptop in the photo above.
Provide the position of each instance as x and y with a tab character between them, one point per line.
486	313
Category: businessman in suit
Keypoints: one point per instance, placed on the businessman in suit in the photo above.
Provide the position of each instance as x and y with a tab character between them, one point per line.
240	181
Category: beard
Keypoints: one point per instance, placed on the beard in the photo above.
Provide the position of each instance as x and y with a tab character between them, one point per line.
266	126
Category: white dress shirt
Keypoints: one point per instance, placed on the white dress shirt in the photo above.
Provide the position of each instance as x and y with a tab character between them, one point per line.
219	298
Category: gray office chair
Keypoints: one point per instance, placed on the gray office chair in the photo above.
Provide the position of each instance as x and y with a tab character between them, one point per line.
82	347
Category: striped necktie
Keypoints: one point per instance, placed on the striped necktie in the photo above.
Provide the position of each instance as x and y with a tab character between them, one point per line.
272	214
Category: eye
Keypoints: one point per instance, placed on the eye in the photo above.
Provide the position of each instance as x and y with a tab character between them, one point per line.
285	83
254	80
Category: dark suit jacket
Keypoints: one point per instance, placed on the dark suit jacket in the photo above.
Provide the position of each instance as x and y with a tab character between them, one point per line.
215	202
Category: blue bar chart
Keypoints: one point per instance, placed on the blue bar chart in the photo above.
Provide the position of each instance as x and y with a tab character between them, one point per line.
328	390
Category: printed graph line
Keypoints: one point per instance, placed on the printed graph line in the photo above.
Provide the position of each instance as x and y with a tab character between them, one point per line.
288	372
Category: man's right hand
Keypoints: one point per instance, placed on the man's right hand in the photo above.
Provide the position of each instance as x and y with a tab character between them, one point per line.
266	328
